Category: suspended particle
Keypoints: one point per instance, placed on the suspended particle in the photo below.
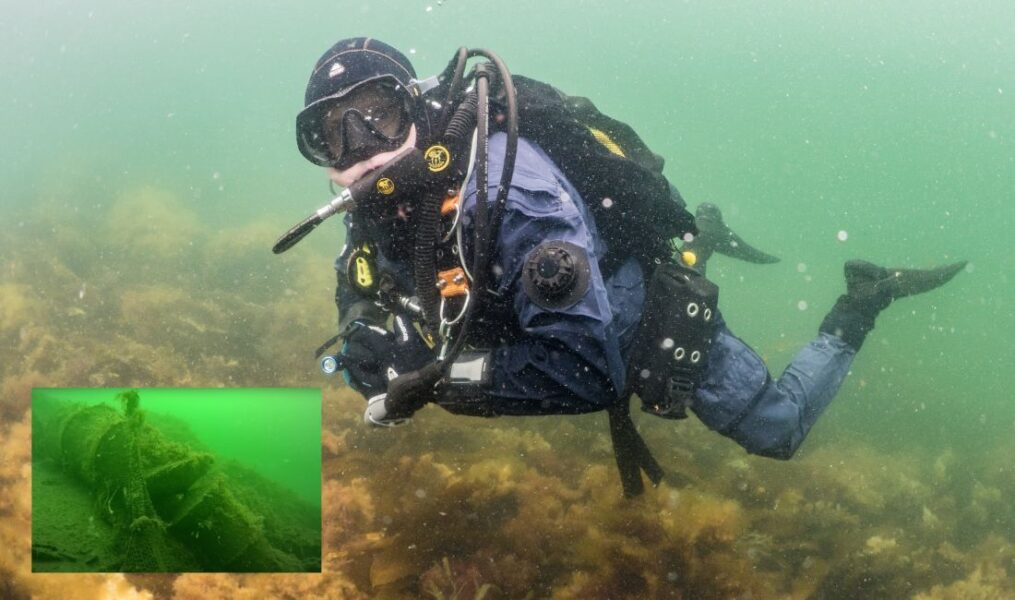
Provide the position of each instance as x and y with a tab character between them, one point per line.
607	202
842	235
801	268
802	305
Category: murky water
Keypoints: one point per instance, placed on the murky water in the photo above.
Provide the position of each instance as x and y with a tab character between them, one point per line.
149	164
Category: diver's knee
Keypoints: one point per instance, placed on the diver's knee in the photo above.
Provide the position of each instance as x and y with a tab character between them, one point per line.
781	451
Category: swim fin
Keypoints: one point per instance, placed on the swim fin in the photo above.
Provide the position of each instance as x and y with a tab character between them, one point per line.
866	279
871	288
715	236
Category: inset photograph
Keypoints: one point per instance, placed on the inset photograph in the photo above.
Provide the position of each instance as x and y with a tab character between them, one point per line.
176	480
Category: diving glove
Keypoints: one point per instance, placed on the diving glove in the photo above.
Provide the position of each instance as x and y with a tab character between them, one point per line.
373	355
406	394
870	289
377	413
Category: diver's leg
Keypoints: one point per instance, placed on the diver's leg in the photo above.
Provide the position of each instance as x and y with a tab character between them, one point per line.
739	399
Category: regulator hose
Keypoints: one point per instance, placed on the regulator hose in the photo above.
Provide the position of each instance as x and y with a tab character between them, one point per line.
464	120
471	113
428	215
455	69
457	134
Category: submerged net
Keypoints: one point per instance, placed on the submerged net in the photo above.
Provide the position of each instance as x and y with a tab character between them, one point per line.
146	547
101	446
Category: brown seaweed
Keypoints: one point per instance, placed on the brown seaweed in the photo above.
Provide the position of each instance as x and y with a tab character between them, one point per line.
461	507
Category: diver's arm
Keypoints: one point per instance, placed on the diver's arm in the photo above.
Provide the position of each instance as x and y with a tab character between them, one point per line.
739	399
566	359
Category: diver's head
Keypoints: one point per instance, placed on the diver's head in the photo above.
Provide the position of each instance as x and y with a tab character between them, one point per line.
360	110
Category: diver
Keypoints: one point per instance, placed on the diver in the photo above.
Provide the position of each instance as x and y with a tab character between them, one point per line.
567	316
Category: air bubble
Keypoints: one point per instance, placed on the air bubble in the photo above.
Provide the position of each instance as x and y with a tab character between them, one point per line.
667	344
842	235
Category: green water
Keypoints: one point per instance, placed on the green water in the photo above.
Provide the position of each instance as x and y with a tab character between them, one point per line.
242	464
272	431
894	123
891	122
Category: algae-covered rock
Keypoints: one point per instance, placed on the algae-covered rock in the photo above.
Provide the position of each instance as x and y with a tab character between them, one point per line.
153	225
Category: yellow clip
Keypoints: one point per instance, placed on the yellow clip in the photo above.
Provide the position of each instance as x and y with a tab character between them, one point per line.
364	277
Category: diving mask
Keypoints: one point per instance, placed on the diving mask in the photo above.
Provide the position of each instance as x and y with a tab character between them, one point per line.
356	123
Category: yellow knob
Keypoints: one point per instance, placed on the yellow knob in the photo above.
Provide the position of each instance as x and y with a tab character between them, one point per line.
689	258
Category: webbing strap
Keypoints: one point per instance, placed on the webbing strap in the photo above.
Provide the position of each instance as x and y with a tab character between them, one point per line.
629	449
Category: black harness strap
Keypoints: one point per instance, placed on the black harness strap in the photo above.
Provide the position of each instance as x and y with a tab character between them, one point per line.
632	455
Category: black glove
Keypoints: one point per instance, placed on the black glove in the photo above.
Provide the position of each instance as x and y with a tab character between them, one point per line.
372	355
406	394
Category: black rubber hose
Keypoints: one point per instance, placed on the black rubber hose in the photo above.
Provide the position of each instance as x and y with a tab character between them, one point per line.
428	215
481	246
490	231
454	87
428	221
511	148
463	121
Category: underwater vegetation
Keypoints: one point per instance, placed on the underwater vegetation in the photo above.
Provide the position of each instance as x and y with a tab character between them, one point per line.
453	507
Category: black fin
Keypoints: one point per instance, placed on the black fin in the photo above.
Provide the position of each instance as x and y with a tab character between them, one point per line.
715	236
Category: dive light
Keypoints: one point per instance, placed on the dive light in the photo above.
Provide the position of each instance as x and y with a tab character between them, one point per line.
331	364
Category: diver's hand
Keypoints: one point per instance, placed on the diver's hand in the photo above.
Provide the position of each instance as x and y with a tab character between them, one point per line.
373	355
367	351
406	394
377	413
